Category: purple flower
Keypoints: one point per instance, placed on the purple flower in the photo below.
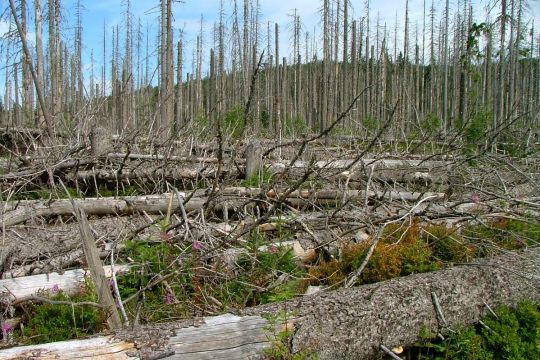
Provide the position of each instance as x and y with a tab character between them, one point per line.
6	329
169	298
197	246
475	198
55	289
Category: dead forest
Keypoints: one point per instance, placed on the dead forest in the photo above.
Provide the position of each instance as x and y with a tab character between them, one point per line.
362	192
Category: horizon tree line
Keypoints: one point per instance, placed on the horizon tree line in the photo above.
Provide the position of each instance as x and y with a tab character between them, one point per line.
463	67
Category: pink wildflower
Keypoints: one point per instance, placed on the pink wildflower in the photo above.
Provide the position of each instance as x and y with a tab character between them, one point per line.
55	289
475	198
6	329
273	249
169	298
197	246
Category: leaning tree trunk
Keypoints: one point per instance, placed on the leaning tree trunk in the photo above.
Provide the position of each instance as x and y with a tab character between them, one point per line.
343	324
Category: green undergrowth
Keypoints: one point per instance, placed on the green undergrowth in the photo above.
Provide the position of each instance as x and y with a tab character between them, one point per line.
180	281
44	322
256	180
409	248
512	334
279	332
174	278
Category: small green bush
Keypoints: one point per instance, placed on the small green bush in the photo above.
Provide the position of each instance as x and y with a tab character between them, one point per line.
280	340
370	123
257	180
431	123
234	122
514	334
53	322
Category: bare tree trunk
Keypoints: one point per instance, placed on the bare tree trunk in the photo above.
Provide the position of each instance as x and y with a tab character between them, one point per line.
163	66
277	84
170	67
31	67
27	94
39	59
502	73
446	121
179	121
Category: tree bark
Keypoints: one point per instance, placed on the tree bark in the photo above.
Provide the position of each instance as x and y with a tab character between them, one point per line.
353	323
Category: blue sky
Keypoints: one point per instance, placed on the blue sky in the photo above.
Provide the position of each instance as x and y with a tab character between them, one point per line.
188	14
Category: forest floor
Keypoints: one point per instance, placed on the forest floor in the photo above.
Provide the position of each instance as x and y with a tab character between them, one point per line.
190	234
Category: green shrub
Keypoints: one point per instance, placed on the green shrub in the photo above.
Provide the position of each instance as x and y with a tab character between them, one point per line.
431	123
514	334
295	126
233	122
257	180
447	245
53	322
370	123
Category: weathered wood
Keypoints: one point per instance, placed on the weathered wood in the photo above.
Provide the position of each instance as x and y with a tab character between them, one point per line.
92	206
70	281
141	173
353	323
104	347
95	265
42	168
222	337
253	159
100	141
150	157
353	163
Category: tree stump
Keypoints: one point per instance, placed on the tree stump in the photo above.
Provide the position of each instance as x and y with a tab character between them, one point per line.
100	141
253	159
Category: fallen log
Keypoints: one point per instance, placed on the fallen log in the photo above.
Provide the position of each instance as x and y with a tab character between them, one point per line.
39	169
152	157
105	347
342	324
353	163
70	281
26	210
221	337
211	163
184	173
20	211
354	323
